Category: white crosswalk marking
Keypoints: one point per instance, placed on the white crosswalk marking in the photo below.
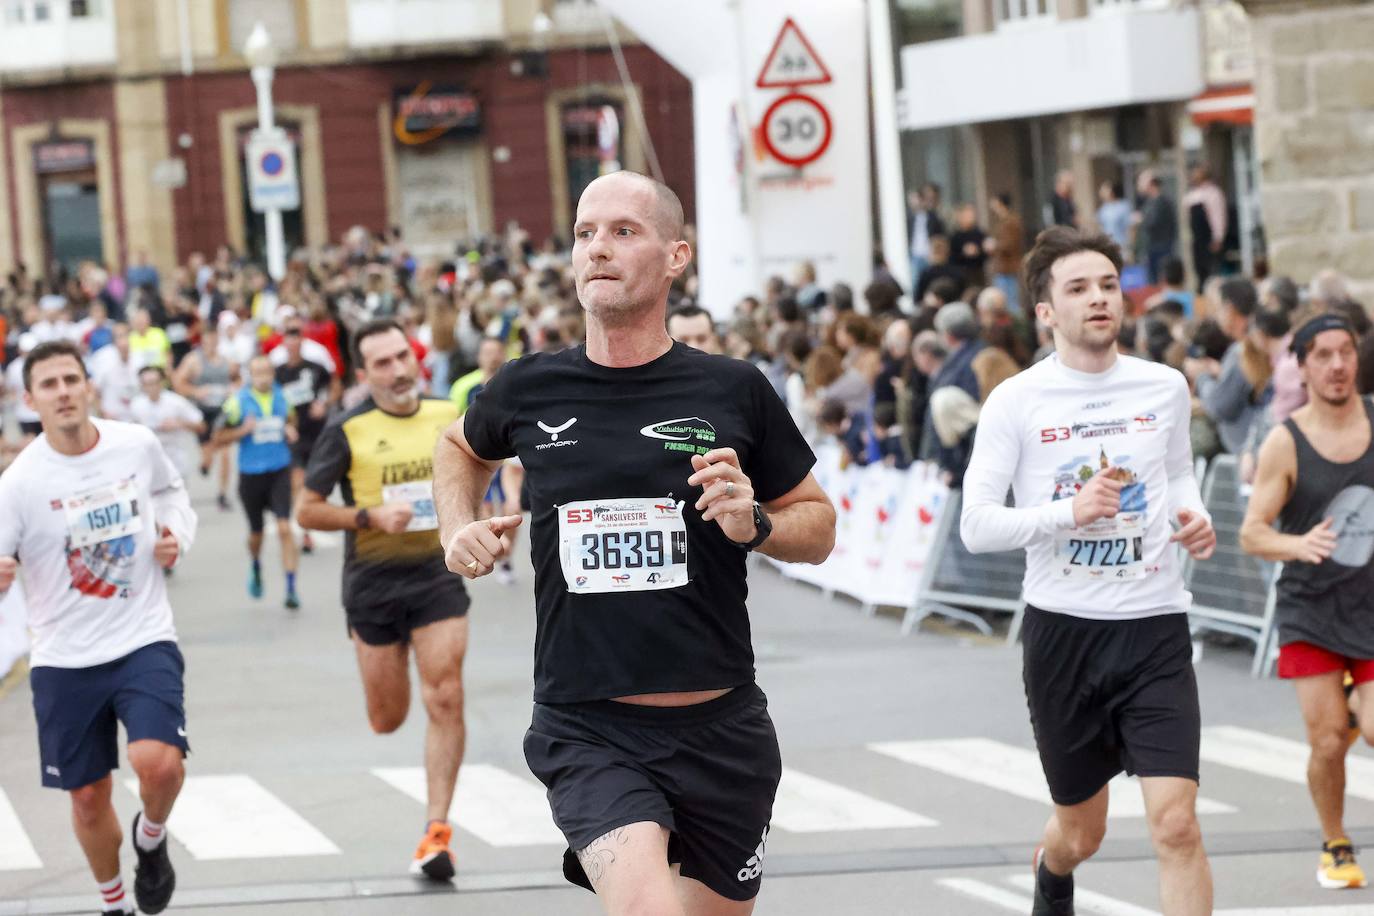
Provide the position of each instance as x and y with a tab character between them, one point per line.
987	893
16	851
1279	758
806	804
233	817
1344	909
1086	901
1015	770
498	807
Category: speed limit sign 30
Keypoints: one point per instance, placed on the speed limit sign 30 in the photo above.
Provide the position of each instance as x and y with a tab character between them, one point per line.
796	129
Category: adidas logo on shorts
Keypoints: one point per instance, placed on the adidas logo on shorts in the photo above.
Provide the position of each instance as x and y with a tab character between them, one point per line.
754	867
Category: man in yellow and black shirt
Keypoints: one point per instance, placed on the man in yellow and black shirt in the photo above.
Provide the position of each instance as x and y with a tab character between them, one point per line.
397	591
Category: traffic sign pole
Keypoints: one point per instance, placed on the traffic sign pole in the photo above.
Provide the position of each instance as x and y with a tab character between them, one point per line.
276	237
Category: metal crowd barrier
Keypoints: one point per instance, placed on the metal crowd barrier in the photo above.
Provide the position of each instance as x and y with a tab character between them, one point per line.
953	576
1233	592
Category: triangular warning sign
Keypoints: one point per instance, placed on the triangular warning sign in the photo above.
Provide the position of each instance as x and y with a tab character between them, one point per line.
792	62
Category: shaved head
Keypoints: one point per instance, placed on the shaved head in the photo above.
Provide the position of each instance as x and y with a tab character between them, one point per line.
667	217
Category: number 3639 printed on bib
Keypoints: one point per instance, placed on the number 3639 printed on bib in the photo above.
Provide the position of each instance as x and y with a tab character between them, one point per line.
622	545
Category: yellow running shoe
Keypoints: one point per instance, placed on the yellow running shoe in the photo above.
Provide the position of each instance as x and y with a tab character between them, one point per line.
1339	869
433	858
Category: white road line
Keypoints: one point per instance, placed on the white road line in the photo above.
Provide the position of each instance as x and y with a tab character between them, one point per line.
16	851
1015	770
1279	758
1086	901
233	817
987	893
1336	910
806	804
498	807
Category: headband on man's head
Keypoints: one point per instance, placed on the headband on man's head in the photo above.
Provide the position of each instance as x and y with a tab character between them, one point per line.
1310	329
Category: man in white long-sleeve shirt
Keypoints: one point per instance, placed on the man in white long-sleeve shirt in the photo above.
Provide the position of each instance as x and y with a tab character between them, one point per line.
1094	446
93	512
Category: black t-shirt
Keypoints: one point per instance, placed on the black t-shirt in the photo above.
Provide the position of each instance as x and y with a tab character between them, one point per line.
178	331
971	265
302	385
588	432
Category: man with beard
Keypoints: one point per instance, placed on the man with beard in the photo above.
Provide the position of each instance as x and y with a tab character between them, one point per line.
1315	475
397	592
1095	448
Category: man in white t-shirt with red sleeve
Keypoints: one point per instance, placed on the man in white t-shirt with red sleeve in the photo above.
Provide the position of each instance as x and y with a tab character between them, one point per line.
94	511
1095	448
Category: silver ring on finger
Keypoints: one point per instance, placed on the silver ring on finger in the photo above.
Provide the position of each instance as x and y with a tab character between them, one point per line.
729	489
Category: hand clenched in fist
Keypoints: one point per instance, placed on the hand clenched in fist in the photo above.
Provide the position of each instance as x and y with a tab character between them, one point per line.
478	546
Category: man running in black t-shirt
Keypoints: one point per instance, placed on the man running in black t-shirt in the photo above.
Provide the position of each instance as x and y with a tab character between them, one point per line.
652	469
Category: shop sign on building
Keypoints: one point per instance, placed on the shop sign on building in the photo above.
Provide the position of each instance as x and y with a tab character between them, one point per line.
427	112
63	156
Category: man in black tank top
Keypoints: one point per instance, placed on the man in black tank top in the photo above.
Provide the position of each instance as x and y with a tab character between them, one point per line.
1316	478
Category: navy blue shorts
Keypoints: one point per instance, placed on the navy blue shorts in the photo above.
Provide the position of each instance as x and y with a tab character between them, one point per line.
79	710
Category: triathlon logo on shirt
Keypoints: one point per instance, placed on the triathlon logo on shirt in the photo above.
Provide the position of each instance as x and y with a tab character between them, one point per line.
685	434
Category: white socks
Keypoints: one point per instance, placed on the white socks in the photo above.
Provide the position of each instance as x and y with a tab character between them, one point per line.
149	834
112	896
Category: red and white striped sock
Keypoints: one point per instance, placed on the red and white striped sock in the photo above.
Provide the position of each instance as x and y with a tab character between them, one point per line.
112	896
149	834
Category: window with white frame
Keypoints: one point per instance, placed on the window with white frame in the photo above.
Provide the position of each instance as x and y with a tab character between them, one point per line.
86	9
1015	12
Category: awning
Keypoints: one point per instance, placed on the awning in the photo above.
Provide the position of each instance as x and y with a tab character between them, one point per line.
1232	105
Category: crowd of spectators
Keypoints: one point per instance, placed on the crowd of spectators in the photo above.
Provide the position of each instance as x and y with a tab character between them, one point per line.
892	379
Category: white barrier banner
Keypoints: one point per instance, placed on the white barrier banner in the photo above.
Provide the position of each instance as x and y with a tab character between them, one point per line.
885	521
14	629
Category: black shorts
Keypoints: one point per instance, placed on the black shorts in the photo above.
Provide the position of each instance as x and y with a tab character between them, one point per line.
306	437
211	416
31	427
260	492
79	711
708	773
391	623
1110	695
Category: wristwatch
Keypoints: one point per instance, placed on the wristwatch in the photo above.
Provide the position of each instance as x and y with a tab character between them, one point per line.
763	523
362	520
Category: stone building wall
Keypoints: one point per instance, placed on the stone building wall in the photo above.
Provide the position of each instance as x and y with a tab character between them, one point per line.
1314	130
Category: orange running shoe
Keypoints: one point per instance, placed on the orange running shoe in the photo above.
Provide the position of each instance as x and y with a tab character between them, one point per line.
433	858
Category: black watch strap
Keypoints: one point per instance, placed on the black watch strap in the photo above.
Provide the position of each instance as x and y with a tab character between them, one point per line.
764	527
362	519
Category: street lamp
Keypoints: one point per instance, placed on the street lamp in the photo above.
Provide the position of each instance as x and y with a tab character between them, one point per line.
261	55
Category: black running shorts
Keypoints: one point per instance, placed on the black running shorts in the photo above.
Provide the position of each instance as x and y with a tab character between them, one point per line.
392	622
708	773
1110	695
261	492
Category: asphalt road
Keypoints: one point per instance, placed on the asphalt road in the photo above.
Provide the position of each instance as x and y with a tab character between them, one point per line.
911	783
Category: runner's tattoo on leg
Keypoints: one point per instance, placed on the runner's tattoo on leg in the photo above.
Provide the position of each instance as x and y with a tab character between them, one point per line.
599	854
